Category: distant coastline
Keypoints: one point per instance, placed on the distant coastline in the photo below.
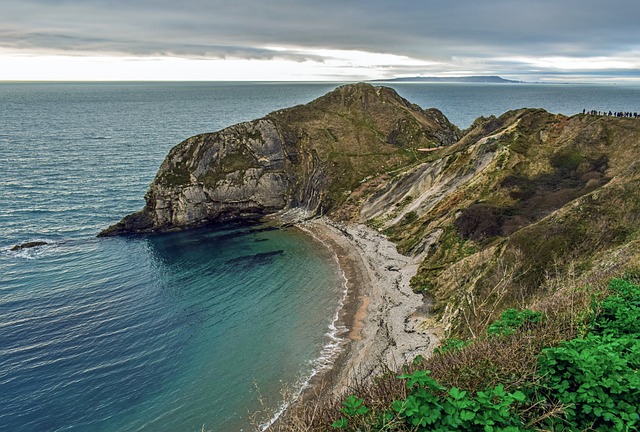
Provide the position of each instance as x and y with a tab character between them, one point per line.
490	79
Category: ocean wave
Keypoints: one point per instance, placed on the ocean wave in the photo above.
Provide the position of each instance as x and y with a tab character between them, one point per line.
43	247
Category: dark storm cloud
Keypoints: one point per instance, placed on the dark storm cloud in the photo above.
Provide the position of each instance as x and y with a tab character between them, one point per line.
423	29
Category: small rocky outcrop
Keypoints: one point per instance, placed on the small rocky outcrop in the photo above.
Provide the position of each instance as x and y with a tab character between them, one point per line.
307	158
28	245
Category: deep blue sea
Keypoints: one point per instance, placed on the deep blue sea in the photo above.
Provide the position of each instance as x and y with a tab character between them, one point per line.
168	332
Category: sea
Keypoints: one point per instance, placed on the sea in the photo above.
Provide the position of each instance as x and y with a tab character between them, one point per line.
191	331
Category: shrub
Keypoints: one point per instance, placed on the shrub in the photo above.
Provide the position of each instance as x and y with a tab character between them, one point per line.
479	221
411	216
352	407
512	320
430	406
596	377
451	344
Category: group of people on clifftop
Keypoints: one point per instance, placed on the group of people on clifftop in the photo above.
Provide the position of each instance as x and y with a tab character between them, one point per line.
625	114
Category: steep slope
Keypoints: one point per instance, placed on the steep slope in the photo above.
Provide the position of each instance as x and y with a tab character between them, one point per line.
307	158
518	200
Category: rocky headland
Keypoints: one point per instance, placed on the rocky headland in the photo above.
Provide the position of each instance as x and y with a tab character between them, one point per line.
307	158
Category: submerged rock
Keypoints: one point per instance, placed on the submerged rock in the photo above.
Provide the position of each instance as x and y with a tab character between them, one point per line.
28	245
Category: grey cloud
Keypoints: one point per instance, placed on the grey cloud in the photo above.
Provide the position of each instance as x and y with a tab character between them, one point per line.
60	43
424	29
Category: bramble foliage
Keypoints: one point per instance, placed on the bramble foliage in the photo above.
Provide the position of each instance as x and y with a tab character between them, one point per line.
451	344
351	407
597	377
512	320
432	407
620	313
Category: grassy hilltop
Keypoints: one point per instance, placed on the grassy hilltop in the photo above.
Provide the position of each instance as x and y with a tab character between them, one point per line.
517	201
307	158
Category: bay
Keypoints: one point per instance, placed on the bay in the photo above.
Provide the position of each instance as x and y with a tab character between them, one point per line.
157	333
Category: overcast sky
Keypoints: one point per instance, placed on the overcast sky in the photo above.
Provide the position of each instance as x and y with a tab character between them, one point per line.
539	40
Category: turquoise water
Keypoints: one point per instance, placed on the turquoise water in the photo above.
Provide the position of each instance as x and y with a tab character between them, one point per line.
162	333
156	333
167	332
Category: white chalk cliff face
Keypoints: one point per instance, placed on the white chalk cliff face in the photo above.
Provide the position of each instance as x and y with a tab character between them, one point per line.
308	157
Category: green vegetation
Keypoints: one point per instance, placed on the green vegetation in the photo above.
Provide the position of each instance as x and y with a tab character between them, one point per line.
430	406
451	344
405	202
178	168
590	382
375	223
573	365
231	162
411	216
596	378
254	135
238	161
179	175
451	248
352	408
512	320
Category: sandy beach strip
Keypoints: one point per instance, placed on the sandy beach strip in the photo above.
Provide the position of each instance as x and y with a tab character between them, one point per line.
387	323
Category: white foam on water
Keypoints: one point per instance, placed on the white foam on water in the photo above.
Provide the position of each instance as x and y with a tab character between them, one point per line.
332	347
31	253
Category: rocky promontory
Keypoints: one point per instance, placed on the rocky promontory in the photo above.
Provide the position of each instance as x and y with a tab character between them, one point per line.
307	158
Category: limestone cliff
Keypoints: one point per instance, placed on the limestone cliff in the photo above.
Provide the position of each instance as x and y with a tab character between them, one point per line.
307	158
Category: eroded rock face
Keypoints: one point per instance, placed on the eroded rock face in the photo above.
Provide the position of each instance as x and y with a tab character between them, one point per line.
307	158
239	172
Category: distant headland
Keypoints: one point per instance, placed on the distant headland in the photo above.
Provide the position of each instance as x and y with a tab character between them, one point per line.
491	79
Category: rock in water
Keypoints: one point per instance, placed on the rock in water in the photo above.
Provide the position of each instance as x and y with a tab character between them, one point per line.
309	157
28	245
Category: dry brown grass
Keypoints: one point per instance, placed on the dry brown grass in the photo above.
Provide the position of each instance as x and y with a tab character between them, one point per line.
316	409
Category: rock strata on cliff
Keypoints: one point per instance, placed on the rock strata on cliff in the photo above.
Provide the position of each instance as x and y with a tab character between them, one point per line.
308	158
